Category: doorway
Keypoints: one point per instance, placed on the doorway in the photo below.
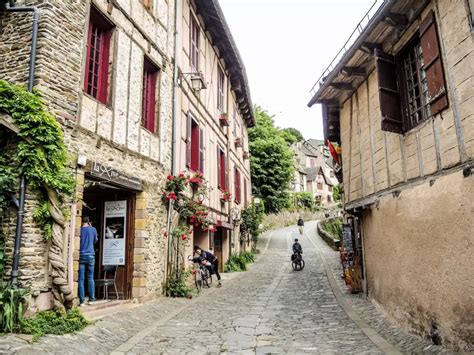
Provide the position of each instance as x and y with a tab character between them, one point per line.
218	236
112	212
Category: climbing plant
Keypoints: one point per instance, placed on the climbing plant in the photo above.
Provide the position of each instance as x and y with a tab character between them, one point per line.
39	154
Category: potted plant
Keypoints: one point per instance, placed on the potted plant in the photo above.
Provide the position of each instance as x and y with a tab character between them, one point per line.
238	142
223	119
226	196
246	155
196	180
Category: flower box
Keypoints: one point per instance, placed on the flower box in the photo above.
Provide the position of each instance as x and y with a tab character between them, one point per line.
238	142
224	120
226	196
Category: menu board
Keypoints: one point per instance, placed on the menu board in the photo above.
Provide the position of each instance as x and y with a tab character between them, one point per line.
114	235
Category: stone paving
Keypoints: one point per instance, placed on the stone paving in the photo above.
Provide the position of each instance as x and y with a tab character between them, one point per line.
269	309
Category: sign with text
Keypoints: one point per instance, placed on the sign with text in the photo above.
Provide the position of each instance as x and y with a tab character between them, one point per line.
115	219
107	173
347	237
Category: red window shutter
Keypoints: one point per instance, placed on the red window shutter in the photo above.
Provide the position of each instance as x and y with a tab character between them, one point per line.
245	192
195	141
188	140
219	175
104	67
150	74
437	93
201	150
225	177
88	54
237	186
389	92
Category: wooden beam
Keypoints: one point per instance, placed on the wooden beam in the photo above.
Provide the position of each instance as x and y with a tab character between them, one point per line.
369	47
396	20
7	121
342	86
354	71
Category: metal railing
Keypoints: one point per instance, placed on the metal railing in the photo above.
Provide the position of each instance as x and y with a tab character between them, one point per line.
350	41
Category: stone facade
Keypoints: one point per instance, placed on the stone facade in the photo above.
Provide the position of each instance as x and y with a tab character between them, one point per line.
203	107
413	191
108	134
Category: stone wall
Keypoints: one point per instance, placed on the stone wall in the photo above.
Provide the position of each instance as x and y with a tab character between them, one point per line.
92	129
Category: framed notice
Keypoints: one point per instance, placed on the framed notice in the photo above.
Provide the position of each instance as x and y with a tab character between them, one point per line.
347	237
114	235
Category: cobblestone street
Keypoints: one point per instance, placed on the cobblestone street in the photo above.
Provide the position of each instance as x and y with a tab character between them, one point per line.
269	309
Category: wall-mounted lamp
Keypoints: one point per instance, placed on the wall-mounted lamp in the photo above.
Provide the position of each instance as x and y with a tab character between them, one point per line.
235	215
197	80
256	201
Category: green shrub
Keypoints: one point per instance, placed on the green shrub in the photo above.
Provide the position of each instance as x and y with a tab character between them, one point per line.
54	322
12	300
334	227
177	284
238	261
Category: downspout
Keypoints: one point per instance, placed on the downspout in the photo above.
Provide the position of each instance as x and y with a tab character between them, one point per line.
173	137
31	76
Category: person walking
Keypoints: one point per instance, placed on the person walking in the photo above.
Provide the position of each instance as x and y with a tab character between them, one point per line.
87	261
300	225
206	255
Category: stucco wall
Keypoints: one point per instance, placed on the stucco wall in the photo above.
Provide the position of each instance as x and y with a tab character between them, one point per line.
418	252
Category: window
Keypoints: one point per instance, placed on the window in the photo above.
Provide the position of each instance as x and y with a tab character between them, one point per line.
313	163
237	185
331	173
330	188
411	85
320	186
220	89
97	57
194	145
150	75
222	175
194	34
329	198
245	192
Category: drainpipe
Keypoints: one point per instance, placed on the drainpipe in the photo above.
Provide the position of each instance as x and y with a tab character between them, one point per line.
174	120
31	74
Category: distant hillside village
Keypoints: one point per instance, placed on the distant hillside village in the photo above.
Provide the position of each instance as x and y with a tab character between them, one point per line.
314	171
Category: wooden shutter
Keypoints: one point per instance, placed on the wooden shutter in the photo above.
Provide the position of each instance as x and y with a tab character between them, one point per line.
226	172
389	92
188	140
219	175
103	84
201	150
437	93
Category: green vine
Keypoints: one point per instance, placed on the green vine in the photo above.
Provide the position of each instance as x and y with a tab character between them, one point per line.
40	155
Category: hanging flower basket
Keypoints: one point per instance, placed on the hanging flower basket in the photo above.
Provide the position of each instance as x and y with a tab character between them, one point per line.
226	196
223	119
197	180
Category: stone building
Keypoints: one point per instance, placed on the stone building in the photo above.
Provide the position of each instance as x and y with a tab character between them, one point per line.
400	101
214	110
105	71
314	172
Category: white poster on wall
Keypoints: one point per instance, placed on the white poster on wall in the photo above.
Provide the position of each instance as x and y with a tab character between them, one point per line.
115	213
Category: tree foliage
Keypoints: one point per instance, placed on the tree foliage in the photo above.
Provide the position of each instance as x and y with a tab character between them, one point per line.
336	193
304	199
271	162
291	135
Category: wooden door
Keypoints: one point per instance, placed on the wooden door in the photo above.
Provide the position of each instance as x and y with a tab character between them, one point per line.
218	247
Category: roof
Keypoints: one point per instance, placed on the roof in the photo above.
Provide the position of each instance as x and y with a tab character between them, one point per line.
381	27
315	142
216	25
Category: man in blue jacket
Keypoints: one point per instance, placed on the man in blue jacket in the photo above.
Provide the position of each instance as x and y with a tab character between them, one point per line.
87	260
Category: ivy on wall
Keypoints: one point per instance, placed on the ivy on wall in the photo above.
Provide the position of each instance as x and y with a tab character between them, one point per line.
38	153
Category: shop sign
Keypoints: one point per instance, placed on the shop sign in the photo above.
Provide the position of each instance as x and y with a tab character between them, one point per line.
107	173
347	237
114	234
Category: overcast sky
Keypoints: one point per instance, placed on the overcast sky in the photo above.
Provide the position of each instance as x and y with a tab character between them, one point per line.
285	45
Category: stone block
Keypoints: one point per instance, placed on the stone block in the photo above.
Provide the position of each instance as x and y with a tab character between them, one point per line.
140	214
138	258
138	251
139	282
141	204
141	234
138	292
139	243
140	223
80	179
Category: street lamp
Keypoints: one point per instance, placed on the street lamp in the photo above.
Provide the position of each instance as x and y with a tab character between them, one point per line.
197	80
235	215
256	201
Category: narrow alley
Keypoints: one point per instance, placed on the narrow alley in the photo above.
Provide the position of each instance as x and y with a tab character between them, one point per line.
269	309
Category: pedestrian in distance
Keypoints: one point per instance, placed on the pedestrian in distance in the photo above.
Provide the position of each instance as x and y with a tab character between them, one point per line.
87	261
208	256
300	225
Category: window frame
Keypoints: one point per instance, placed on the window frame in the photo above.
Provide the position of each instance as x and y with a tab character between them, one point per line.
222	174
194	43
220	89
100	31
149	96
194	144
